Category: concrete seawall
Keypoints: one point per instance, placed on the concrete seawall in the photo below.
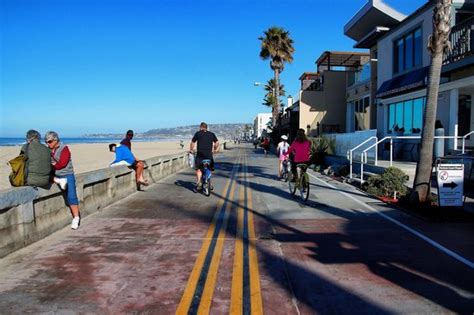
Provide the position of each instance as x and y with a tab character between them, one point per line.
29	214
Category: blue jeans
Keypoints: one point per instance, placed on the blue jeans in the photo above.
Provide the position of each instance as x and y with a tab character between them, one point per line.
71	195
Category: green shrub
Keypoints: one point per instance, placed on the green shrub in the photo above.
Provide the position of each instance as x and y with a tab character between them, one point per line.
321	147
393	179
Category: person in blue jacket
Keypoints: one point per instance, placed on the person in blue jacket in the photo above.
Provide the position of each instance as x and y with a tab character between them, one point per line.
123	156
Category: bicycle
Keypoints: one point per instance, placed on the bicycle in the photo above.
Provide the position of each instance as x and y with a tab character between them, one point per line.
301	183
206	177
286	166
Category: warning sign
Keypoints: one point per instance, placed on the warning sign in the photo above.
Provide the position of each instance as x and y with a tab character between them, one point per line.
450	185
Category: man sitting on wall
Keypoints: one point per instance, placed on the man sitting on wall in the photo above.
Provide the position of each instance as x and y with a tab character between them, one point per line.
123	156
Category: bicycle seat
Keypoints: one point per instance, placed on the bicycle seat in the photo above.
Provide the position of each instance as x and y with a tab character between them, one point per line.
302	166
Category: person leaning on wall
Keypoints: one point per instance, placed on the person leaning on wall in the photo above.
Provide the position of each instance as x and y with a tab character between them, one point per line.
38	164
62	164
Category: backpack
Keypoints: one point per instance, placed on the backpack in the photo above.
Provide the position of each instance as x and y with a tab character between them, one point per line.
18	174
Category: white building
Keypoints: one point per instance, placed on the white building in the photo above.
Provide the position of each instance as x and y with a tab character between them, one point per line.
399	48
260	123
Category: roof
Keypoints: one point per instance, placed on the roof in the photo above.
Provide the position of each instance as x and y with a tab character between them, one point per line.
371	38
340	58
374	13
308	73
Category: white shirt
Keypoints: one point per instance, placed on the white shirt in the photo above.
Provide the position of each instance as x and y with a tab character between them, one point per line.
282	147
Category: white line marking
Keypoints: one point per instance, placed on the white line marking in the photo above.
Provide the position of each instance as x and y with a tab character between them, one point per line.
409	229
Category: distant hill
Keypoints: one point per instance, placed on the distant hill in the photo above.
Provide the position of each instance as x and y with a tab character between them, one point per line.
222	131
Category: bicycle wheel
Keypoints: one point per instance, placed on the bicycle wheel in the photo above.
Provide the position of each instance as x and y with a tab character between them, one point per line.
206	188
291	183
304	187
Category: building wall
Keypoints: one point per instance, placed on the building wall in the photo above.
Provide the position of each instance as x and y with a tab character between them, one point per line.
312	109
335	83
260	123
386	44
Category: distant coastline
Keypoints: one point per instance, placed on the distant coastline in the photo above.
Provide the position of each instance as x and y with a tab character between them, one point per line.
17	141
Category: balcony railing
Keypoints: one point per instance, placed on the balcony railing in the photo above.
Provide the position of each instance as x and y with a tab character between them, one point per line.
462	41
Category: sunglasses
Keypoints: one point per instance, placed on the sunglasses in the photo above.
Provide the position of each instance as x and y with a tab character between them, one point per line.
50	141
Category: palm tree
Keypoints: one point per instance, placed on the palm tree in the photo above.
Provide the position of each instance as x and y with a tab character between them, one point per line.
269	99
438	43
278	47
269	88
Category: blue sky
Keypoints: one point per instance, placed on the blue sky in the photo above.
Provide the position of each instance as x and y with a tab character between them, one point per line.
96	66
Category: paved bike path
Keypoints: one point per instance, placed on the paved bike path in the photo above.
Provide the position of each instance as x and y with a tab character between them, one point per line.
249	248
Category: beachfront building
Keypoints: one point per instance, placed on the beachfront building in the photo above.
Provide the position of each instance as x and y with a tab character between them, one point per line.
260	124
320	106
368	25
403	69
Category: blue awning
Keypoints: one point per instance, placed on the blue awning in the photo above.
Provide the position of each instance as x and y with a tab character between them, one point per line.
406	82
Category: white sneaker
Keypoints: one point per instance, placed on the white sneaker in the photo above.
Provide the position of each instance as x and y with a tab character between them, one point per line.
75	223
62	182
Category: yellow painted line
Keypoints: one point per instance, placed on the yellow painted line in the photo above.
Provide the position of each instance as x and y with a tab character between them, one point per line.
188	294
206	299
238	272
255	289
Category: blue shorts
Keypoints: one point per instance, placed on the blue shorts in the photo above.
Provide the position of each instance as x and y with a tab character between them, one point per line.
71	195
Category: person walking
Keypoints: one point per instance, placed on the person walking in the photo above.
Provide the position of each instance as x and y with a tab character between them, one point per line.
266	145
207	144
62	165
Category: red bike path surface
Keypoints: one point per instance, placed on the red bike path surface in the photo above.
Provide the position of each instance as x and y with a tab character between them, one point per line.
249	248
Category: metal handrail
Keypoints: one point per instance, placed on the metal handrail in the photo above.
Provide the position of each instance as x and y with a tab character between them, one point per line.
356	147
364	153
464	140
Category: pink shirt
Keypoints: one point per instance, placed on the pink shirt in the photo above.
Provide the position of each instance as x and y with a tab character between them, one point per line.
302	151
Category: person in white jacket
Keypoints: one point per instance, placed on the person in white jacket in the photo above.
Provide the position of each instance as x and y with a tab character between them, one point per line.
281	149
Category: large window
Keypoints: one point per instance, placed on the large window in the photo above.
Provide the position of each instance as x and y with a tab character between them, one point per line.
406	116
407	51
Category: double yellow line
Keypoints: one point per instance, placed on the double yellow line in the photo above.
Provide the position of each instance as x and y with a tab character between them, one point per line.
245	296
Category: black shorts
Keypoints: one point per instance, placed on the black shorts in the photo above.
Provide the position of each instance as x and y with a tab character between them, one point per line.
198	163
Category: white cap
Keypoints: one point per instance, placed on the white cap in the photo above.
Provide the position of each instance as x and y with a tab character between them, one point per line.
284	137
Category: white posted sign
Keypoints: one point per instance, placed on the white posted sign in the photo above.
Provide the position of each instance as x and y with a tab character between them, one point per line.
450	185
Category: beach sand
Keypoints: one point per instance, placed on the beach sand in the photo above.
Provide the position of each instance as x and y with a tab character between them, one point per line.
93	156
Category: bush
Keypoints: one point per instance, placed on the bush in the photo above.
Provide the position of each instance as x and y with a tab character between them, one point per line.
393	179
320	147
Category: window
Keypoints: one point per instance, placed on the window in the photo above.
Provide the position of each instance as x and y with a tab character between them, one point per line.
407	115
407	51
361	114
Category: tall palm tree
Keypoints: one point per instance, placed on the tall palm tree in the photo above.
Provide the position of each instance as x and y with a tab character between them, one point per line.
278	47
438	43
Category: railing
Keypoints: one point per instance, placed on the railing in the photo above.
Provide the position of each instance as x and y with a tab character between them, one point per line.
462	41
464	141
355	148
364	158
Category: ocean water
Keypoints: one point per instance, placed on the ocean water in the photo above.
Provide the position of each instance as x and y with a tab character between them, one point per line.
20	141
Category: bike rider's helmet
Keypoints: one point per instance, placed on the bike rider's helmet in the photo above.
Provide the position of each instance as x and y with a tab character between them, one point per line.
284	138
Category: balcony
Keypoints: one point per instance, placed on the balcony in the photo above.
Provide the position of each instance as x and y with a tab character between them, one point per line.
462	45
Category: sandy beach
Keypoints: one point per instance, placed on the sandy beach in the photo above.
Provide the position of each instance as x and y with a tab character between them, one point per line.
93	156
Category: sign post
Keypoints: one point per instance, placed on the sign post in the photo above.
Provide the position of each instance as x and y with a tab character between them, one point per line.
450	179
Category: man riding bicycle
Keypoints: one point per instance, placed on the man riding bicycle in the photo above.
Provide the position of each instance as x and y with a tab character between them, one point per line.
207	144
